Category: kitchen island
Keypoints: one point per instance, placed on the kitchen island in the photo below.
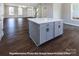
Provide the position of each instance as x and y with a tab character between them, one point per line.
42	30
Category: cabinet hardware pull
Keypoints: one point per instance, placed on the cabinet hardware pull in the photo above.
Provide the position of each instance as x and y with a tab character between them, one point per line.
59	26
47	29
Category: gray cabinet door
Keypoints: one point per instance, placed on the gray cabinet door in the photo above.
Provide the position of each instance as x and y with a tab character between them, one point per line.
50	31
43	33
46	32
58	28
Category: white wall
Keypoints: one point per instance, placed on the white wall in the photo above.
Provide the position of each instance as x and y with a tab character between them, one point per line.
66	15
57	10
45	10
16	9
49	10
1	9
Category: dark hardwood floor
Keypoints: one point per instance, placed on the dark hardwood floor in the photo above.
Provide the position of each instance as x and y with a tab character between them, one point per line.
16	39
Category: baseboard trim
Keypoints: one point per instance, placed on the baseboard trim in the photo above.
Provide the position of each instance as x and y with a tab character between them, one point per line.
71	24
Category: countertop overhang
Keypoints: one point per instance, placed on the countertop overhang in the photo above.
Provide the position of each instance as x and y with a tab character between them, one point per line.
43	20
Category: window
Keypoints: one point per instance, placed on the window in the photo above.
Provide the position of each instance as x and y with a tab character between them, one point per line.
30	12
75	11
11	10
20	11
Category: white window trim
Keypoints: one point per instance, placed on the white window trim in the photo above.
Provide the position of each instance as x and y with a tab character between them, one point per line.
72	13
9	11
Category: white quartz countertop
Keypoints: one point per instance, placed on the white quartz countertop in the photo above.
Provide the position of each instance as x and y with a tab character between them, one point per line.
43	20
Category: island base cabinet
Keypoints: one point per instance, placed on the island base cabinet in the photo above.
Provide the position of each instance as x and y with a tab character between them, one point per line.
43	32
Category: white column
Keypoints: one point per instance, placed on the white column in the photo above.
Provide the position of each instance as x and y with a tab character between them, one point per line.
16	11
1	19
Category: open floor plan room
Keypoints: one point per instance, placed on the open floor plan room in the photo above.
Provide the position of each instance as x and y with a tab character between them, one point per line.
39	29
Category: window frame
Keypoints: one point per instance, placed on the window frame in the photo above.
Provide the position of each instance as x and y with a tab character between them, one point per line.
11	12
72	13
